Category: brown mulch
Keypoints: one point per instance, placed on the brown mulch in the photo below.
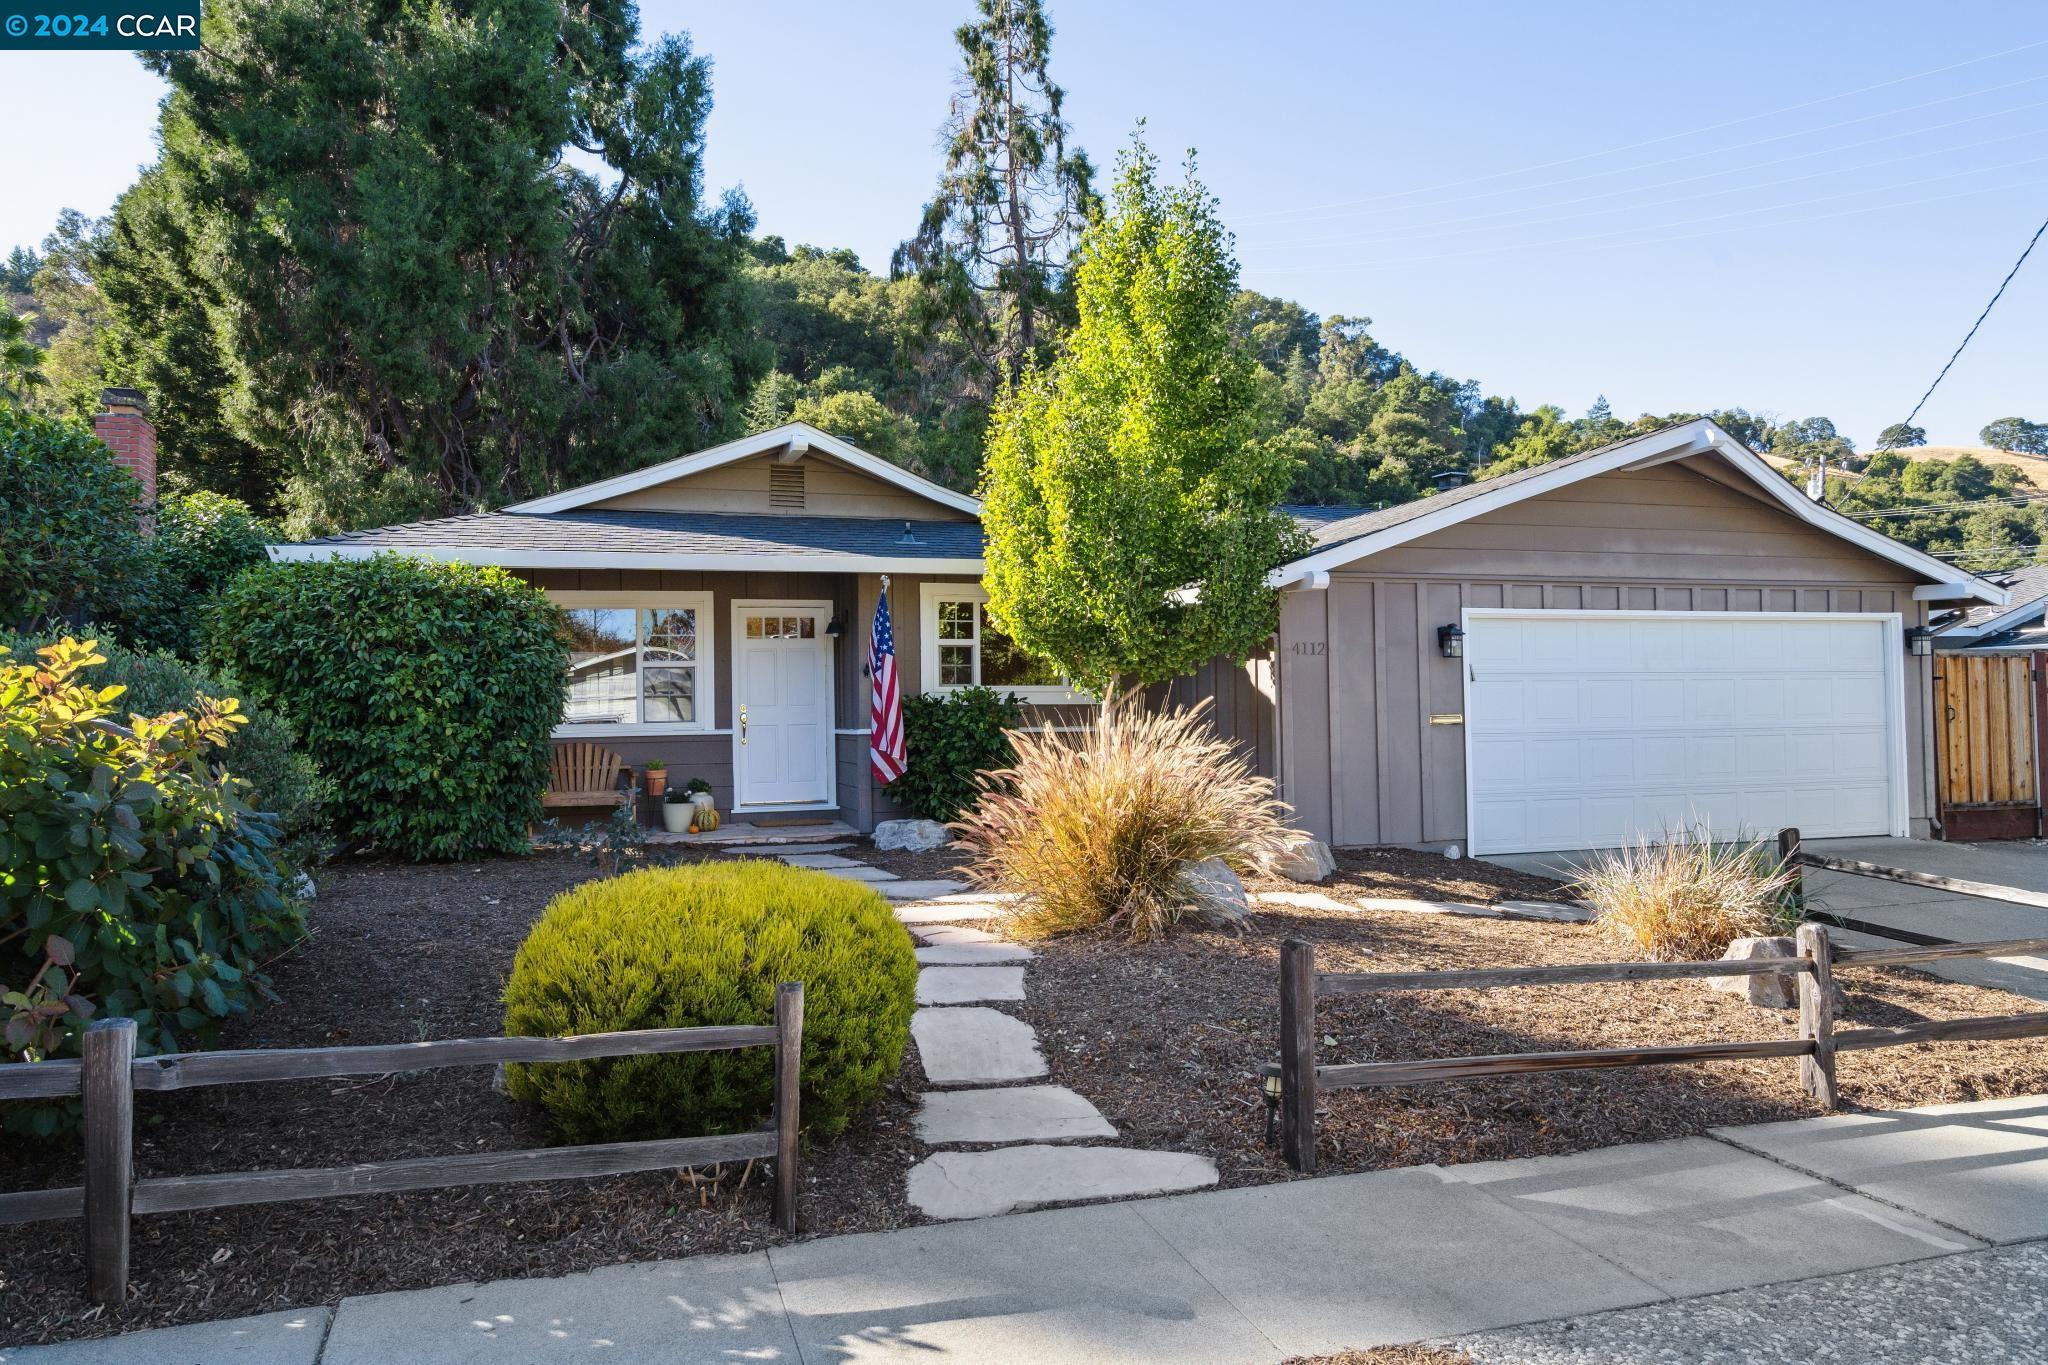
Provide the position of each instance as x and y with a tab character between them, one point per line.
1164	1038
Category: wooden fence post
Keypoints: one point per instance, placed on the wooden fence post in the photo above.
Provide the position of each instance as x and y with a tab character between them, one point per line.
789	1055
1788	849
1298	1055
1817	1014
109	1054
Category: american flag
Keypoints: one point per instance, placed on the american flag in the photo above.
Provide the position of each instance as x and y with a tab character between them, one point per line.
885	723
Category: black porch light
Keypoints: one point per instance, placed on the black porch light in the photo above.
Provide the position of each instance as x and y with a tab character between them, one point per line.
1450	641
1920	641
836	627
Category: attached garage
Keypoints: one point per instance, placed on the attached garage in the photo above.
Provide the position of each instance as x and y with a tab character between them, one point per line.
1661	634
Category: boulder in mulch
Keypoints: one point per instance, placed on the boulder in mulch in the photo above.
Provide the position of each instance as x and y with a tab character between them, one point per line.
1306	860
1768	990
1216	892
915	836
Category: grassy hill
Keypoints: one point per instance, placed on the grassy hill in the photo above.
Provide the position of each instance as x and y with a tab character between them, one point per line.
2033	466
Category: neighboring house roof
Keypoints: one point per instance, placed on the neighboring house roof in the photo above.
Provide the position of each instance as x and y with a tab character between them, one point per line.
1344	540
796	437
2028	591
599	539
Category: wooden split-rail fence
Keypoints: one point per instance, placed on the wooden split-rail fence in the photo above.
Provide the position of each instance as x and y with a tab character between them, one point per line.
1302	1079
109	1074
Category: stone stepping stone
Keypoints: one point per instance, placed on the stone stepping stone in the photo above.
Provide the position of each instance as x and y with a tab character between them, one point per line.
974	1045
823	861
925	908
1022	1113
1555	912
1302	900
985	954
948	934
861	872
982	1184
963	985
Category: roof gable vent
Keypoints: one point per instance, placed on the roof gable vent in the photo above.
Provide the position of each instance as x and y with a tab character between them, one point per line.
786	487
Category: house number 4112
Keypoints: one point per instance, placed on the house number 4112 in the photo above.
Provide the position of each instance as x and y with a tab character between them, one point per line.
1311	647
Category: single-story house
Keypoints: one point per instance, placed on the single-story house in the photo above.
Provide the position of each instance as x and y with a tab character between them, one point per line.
1660	633
2016	627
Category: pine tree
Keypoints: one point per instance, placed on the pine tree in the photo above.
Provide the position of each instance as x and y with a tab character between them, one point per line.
991	249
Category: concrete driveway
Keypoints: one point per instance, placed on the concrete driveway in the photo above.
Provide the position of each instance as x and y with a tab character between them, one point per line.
2023	864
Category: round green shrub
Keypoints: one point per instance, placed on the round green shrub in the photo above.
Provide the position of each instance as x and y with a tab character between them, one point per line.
202	541
426	691
707	945
949	737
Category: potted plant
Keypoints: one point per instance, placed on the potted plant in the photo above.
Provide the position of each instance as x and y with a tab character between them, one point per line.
677	811
657	777
699	791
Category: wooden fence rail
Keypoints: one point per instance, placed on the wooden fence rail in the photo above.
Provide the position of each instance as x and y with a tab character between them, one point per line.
109	1074
1815	1047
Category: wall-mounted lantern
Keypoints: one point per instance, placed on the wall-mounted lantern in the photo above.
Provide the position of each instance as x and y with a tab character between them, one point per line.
1450	641
836	627
1919	641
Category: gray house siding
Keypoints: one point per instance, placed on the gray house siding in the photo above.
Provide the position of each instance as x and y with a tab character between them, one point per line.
1360	672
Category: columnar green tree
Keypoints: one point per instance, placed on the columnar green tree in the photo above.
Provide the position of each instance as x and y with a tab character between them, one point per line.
416	300
992	245
1132	514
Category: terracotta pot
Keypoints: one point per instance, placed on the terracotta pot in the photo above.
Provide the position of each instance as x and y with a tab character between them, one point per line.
657	781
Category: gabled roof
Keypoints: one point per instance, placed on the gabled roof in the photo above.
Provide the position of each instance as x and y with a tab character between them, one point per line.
596	538
2028	590
800	436
1346	539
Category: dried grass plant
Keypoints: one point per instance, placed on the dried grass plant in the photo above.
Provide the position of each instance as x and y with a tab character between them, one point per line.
1686	897
1100	829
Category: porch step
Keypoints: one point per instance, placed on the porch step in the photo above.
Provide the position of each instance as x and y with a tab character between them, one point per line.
740	833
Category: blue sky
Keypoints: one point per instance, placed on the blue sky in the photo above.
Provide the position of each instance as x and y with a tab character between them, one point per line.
1788	207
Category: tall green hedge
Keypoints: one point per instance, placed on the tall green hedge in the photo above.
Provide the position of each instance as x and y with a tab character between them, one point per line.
427	691
947	739
70	546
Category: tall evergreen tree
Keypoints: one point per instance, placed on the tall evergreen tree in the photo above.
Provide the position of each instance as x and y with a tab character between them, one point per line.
1132	514
992	246
415	300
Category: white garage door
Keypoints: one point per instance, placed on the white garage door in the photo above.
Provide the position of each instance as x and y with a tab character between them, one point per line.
1588	730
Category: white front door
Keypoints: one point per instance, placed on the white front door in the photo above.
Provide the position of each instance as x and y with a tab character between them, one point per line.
782	704
1593	729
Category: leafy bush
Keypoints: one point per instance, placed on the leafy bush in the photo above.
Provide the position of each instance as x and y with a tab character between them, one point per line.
949	738
133	880
1103	828
202	541
283	782
705	945
426	691
70	546
1687	897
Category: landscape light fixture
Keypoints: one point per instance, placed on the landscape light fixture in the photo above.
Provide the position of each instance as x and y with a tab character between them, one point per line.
1272	1101
1450	641
1920	641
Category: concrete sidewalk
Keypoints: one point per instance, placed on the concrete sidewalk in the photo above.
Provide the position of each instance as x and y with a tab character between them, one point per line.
1235	1276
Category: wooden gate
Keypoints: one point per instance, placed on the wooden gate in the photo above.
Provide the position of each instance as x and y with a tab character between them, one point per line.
1988	744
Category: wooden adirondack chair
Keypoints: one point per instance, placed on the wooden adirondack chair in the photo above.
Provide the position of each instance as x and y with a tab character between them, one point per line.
584	774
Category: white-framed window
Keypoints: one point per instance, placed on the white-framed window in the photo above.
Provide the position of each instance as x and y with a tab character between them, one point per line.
962	648
639	662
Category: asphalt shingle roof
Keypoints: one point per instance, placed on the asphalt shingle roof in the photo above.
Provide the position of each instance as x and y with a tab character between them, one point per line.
2026	585
728	533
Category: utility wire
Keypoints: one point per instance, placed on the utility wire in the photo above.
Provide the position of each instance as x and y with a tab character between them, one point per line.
1908	510
2031	242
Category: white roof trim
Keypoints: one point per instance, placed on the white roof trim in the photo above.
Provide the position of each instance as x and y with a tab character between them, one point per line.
746	448
1693	438
2023	614
724	561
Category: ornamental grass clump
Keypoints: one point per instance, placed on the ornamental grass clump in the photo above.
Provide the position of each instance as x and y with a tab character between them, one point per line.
1103	829
707	945
1687	896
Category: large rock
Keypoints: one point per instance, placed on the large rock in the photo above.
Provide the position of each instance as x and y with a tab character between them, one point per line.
1305	860
917	836
1769	990
1216	892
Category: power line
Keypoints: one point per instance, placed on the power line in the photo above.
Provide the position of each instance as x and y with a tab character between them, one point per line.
1975	325
1906	510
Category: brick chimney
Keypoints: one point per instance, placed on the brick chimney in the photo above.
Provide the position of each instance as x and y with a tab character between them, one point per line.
123	425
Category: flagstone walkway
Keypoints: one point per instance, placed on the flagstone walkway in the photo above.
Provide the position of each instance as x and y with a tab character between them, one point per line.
984	1057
